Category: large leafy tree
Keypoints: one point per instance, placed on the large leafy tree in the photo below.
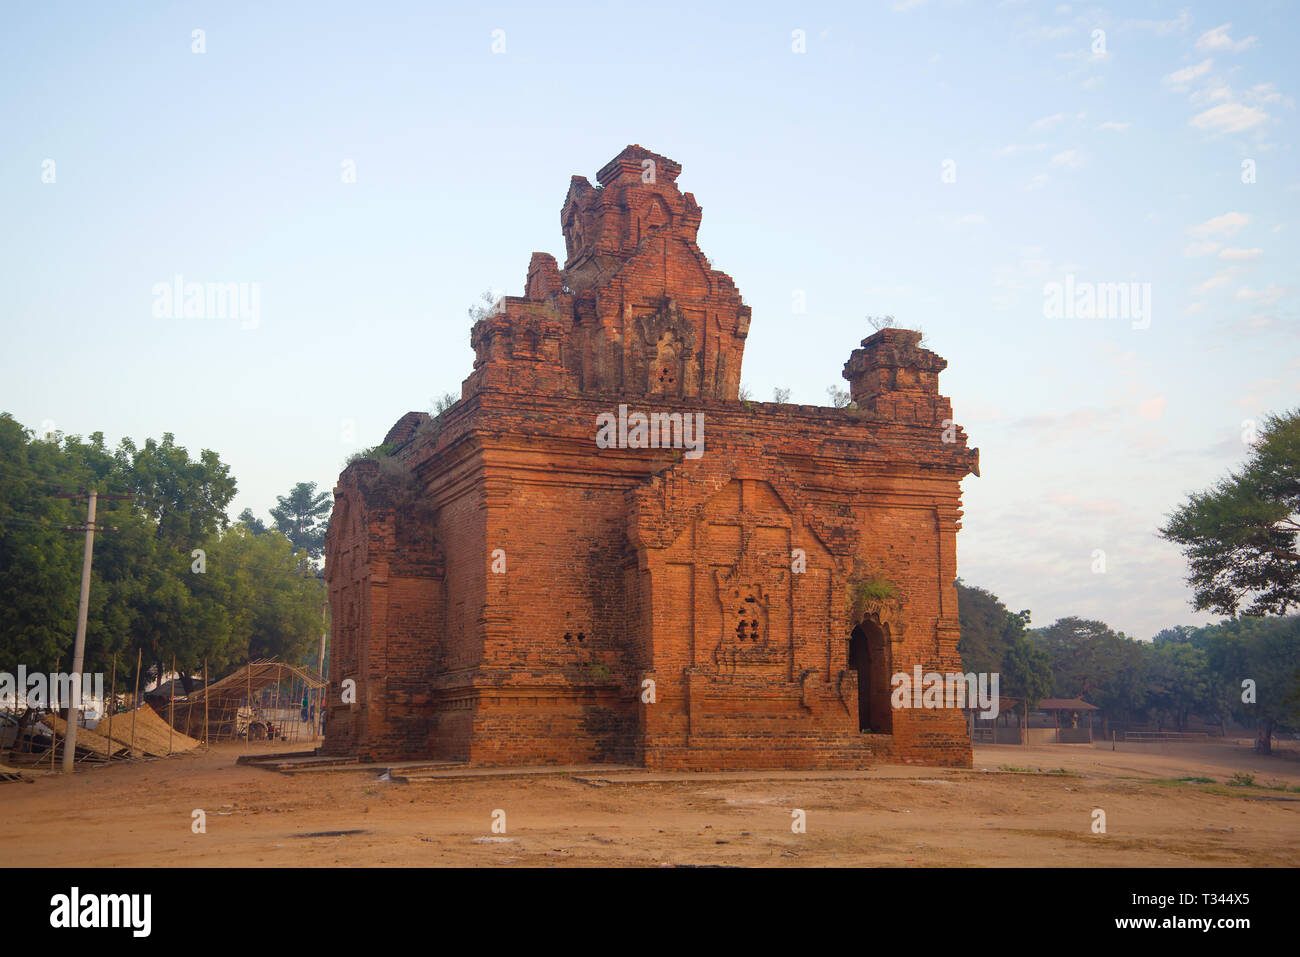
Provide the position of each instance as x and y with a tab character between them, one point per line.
1240	536
994	639
185	498
1026	672
252	522
302	516
1255	667
1180	683
988	628
278	594
171	580
1101	666
39	559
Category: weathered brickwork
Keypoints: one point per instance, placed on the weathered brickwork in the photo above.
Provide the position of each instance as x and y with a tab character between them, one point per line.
504	590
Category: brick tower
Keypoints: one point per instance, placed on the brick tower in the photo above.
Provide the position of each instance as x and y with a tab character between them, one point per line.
600	553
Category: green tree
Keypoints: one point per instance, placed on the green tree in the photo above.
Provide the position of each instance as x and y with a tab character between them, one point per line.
1026	672
988	628
281	611
1255	667
1180	682
252	522
1240	536
39	560
302	516
1101	666
171	579
186	498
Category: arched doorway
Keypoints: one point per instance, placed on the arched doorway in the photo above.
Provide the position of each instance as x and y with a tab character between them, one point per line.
869	657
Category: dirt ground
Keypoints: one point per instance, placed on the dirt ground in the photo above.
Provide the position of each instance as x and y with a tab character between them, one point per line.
1017	806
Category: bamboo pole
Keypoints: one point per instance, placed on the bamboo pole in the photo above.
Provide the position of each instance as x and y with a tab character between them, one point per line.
112	706
275	703
135	698
189	712
205	702
54	735
248	729
171	710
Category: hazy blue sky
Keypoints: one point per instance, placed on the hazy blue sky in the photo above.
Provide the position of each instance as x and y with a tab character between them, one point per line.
1109	158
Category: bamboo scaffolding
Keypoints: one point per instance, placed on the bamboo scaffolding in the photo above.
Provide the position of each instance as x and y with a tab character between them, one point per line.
246	697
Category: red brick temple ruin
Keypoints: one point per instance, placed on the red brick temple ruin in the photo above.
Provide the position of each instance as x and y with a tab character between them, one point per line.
558	570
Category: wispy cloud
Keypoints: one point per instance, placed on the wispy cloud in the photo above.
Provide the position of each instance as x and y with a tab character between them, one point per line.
1267	93
1012	149
1161	28
1225	225
1055	120
1218	39
1264	297
1182	79
1214	282
959	222
1229	118
1069	159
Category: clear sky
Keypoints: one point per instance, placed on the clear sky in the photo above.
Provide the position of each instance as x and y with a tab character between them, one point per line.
943	162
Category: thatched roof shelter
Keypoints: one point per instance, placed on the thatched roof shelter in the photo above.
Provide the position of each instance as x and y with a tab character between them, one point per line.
224	708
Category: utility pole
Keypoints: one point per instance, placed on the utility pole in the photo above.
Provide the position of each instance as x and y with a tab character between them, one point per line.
79	646
83	608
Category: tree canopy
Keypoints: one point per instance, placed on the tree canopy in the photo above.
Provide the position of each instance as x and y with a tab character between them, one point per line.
302	516
1240	536
173	578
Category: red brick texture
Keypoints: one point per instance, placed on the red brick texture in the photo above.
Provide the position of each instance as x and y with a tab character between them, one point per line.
505	590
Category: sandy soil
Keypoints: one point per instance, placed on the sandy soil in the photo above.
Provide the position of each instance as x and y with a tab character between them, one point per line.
141	814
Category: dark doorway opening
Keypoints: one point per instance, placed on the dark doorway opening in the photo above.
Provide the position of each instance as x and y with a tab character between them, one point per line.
868	656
